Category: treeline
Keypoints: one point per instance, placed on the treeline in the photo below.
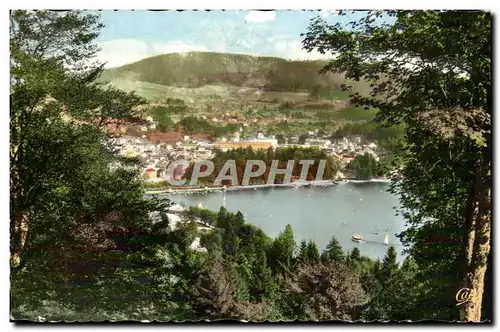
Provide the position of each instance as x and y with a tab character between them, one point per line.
298	75
390	138
365	167
194	125
189	124
283	155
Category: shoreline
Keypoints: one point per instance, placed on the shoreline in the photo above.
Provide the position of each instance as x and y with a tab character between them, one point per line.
297	184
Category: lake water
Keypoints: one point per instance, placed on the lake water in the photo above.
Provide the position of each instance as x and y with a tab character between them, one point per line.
317	213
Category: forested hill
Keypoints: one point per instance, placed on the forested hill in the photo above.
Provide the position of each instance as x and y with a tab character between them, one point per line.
196	69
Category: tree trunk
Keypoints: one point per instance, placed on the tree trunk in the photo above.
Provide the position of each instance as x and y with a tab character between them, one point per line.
470	231
18	237
474	279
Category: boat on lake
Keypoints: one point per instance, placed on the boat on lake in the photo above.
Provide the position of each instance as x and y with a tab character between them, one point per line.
357	238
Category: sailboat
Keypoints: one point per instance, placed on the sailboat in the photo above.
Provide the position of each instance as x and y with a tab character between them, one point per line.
386	239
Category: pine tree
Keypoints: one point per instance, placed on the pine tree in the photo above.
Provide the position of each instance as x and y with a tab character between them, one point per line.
239	220
302	255
324	292
377	270
282	250
333	251
312	252
262	285
355	255
222	221
389	265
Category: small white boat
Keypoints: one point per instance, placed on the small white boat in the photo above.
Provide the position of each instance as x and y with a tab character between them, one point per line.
357	238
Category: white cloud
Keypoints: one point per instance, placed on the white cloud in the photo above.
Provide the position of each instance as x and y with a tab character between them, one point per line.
293	50
328	13
176	47
281	46
119	52
260	16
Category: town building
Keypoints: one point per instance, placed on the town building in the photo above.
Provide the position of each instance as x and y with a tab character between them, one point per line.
321	143
257	144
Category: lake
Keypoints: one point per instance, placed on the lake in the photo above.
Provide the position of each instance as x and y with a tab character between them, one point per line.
317	213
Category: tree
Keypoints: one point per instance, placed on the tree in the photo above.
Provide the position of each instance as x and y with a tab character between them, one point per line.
325	292
333	251
263	285
52	106
281	139
282	250
444	97
315	91
191	125
302	254
354	255
162	116
222	218
214	291
389	265
80	223
312	252
364	166
394	293
302	138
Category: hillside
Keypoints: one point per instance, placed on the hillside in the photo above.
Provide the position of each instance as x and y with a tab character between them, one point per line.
226	91
197	69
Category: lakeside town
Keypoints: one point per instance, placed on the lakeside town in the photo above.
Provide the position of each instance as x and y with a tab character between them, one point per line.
156	150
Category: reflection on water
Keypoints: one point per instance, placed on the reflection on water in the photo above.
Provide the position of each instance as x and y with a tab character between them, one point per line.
317	213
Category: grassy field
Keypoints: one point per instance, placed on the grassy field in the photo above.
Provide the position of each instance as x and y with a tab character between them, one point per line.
355	114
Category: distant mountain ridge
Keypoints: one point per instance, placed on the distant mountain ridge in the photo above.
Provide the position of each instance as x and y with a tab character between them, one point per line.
196	69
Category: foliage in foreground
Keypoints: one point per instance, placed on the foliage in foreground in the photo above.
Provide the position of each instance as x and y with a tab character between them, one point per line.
430	70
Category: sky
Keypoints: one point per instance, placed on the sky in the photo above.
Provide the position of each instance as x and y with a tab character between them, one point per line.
129	36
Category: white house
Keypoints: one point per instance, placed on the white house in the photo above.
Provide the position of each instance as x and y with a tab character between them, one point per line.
322	143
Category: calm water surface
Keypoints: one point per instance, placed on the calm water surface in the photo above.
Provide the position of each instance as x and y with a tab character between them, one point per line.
317	213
